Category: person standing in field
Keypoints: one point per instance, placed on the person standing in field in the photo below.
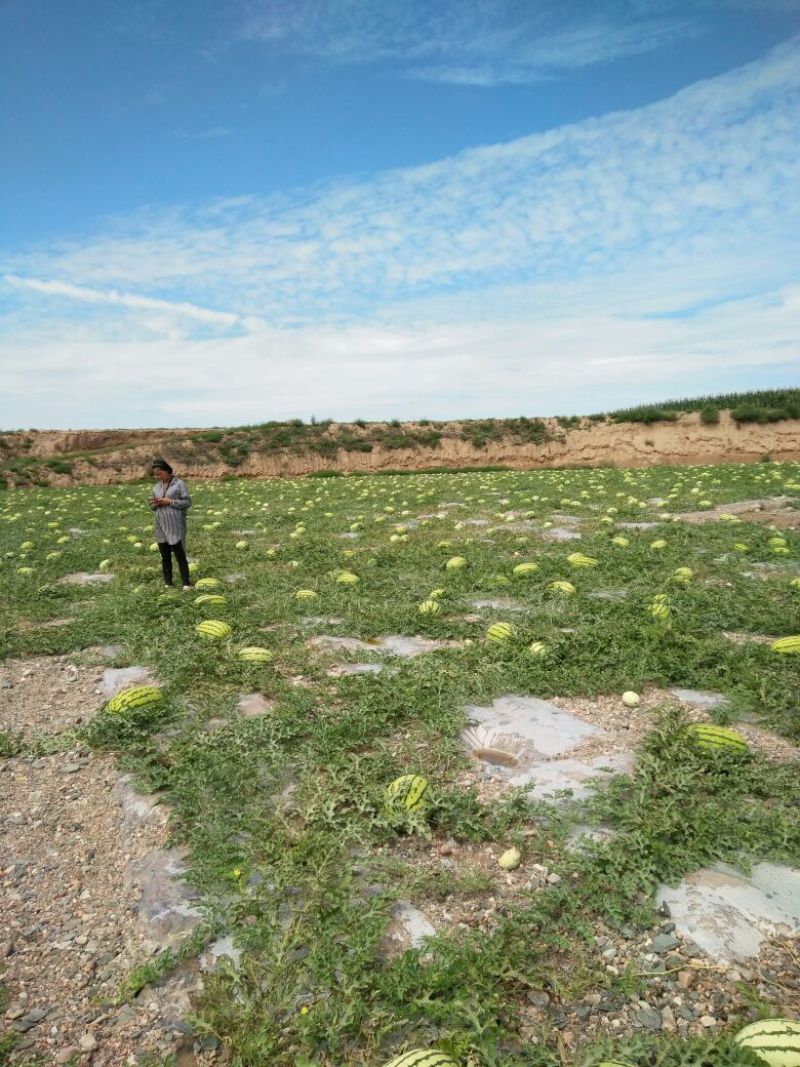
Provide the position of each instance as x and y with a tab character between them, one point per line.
170	502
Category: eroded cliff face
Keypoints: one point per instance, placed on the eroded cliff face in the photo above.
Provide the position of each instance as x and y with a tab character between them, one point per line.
126	453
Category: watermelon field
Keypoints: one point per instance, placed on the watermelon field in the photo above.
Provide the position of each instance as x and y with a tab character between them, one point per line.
343	815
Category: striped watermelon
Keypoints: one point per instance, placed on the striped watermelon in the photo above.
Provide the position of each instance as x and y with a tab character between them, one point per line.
254	654
207	583
565	588
455	564
613	1063
213	628
212	598
139	696
347	578
717	738
423	1057
786	645
305	594
429	607
577	559
499	632
522	569
409	791
775	1041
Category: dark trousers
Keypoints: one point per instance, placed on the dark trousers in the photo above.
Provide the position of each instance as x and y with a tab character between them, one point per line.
166	551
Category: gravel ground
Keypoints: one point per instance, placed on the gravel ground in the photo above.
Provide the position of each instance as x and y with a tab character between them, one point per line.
780	512
47	694
625	727
679	990
72	834
73	831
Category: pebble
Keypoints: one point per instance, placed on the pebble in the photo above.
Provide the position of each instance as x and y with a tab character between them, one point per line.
649	1018
88	1043
708	1020
664	943
686	979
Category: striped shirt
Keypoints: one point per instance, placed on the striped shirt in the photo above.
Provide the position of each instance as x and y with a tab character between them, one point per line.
171	519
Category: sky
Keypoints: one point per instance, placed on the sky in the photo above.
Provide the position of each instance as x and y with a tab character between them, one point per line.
227	213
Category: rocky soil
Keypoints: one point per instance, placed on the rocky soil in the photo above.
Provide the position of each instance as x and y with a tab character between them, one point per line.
87	893
85	887
678	987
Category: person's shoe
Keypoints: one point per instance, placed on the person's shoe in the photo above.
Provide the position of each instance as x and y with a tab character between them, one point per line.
168	585
187	587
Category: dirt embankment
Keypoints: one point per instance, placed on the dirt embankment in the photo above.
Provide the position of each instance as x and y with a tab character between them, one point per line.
123	455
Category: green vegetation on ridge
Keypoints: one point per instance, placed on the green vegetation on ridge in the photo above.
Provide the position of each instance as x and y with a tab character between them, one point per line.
232	446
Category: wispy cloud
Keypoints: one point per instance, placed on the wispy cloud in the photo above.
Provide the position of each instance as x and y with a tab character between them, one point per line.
528	275
708	171
211	133
130	300
488	43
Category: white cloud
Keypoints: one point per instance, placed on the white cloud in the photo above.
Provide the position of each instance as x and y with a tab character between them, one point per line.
147	303
709	170
550	363
644	253
488	43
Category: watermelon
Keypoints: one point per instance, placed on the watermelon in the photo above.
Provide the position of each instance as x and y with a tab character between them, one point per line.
716	738
577	559
499	632
423	1057
409	791
786	645
207	583
138	696
775	1041
254	654
213	628
212	598
566	588
429	607
522	569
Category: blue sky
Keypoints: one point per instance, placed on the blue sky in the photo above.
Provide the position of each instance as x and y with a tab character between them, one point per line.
226	213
